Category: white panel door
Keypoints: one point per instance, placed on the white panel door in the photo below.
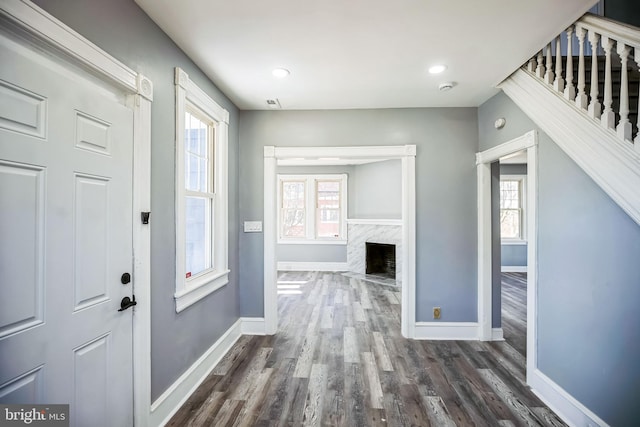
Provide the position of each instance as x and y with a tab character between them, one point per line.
66	147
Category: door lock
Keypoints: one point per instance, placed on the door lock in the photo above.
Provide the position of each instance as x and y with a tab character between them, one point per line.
127	303
125	278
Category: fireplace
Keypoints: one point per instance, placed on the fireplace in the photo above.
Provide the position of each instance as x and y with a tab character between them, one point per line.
381	259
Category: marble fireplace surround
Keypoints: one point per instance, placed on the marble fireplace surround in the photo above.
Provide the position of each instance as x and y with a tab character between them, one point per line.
361	231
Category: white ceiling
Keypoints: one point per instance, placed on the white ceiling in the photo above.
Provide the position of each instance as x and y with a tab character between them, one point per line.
360	53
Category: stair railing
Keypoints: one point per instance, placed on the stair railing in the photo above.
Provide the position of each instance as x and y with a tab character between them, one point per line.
604	36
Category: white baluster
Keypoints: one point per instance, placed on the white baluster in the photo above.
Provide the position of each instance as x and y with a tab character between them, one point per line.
569	90
581	98
624	126
548	75
608	118
540	68
558	84
594	105
532	65
636	142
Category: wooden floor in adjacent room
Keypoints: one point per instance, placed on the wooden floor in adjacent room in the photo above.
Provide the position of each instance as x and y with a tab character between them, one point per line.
339	359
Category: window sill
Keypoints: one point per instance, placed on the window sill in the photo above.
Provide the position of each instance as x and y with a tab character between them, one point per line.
513	242
199	288
312	242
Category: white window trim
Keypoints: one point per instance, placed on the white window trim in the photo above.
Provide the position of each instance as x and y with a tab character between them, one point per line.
523	200
193	289
310	208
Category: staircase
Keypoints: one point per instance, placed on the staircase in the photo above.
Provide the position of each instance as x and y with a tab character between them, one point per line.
588	104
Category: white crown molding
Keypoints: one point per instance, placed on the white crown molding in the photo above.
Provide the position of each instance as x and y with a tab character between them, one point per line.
612	163
561	402
57	35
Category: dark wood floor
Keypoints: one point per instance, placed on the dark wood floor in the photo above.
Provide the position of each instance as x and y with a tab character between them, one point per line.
338	359
514	310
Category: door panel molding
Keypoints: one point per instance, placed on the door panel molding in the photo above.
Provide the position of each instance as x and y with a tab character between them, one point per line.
48	33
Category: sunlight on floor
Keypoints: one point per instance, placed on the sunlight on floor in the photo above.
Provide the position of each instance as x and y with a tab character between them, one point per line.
290	287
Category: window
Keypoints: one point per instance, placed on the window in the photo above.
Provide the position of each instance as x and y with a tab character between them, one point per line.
313	208
512	216
201	193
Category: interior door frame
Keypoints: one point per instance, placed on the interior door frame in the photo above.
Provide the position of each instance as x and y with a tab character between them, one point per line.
48	33
407	155
528	142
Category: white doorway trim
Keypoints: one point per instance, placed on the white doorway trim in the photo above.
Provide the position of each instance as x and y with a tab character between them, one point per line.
52	35
528	142
407	155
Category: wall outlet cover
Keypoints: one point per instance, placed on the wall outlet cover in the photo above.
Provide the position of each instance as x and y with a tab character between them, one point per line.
253	226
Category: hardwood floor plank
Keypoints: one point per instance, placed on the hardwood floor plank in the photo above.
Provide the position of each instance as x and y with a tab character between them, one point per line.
382	355
228	413
315	395
519	409
375	389
350	342
305	359
437	411
339	359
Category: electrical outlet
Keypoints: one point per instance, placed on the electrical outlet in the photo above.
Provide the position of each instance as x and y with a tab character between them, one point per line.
436	312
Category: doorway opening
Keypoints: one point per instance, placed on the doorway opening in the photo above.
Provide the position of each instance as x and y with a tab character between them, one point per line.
489	240
304	156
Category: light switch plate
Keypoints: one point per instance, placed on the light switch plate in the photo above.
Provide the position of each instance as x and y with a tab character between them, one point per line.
253	226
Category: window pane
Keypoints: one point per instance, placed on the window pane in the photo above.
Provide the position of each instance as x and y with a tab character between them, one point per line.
328	223
293	194
328	194
196	153
510	194
510	223
293	223
198	238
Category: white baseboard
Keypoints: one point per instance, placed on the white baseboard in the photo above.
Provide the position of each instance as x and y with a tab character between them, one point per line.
514	269
174	397
312	266
497	334
562	403
446	331
252	326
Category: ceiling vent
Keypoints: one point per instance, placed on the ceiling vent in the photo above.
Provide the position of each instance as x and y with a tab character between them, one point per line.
274	104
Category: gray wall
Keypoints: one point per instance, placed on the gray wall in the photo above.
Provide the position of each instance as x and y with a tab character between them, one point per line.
123	30
513	255
446	140
321	252
377	191
588	277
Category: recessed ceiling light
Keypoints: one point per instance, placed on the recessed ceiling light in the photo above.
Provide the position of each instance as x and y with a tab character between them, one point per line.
280	72
437	69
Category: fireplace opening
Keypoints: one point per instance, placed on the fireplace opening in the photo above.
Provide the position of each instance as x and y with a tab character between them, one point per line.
381	259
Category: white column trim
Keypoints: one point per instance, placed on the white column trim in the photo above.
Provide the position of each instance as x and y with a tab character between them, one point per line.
55	36
528	141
